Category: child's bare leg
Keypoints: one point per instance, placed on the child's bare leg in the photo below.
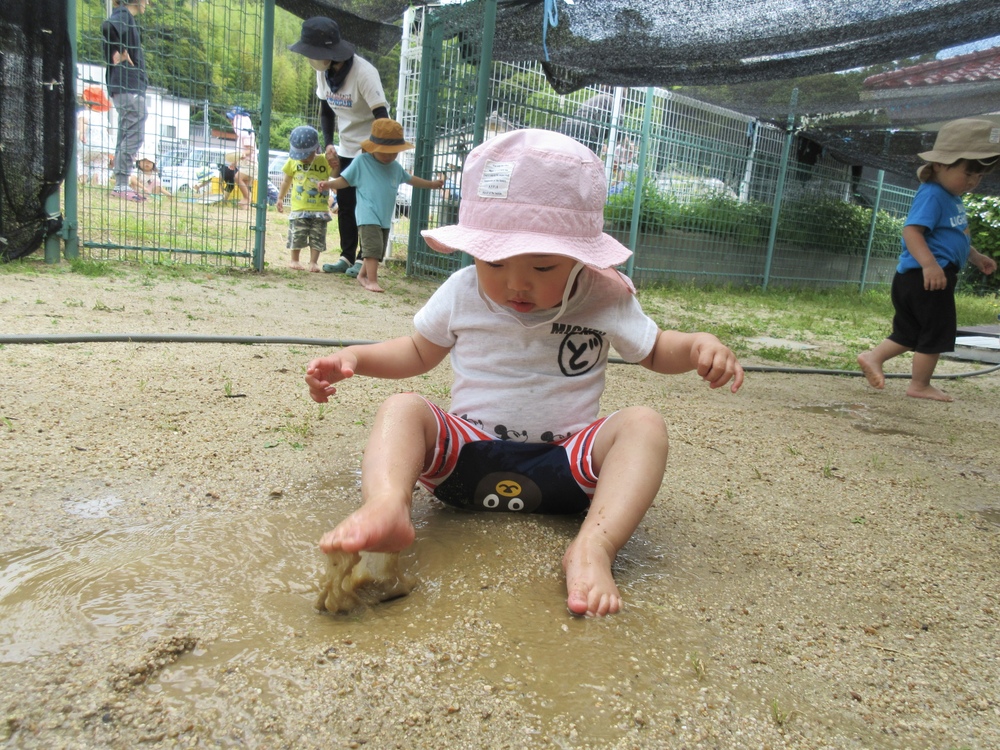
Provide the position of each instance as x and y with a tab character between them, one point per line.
368	277
313	260
920	380
871	361
630	454
400	445
295	259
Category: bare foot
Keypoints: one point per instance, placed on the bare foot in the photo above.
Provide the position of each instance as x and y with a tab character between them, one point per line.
314	268
929	392
244	204
296	266
371	286
374	527
591	587
872	370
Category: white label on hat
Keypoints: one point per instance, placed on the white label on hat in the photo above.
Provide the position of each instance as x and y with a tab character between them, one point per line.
994	135
496	179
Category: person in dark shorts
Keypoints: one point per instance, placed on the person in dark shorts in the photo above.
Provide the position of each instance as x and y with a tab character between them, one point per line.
528	329
936	245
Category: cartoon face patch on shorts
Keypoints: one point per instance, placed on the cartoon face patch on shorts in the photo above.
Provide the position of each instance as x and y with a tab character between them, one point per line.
506	491
500	476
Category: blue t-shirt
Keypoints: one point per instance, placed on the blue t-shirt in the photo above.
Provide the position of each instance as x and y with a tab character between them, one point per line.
377	184
943	216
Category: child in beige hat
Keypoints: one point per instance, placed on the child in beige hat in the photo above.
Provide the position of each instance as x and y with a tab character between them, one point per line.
936	245
377	176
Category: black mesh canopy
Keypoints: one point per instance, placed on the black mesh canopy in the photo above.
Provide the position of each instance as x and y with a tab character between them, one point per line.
745	55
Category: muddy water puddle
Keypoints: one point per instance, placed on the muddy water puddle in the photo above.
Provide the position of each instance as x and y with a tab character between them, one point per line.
255	577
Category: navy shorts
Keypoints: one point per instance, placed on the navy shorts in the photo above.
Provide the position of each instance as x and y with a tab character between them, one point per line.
477	471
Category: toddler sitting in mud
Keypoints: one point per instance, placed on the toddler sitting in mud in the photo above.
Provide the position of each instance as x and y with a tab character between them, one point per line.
529	328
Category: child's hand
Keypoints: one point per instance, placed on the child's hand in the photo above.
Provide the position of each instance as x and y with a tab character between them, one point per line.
437	184
322	373
934	278
716	363
985	264
280	205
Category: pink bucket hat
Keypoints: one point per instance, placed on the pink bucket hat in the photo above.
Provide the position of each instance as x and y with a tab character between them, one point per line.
532	191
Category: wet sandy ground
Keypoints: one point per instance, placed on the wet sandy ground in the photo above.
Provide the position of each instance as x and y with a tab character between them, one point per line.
819	570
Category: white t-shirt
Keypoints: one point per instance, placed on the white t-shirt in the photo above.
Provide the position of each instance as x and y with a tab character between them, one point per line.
245	136
358	95
533	384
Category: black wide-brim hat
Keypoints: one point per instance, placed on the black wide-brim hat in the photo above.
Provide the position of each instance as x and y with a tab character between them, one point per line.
321	40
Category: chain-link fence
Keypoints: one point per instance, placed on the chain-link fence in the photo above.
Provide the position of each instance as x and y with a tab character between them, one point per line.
697	191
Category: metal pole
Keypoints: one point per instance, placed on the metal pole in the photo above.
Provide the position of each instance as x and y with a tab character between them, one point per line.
430	72
485	71
71	187
264	141
779	189
871	231
640	177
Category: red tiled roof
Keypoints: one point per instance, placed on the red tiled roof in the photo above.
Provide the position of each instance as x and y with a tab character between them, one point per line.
974	67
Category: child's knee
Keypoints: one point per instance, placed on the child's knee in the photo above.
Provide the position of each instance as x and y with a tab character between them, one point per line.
643	418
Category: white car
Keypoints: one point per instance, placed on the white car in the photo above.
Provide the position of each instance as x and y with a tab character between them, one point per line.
189	173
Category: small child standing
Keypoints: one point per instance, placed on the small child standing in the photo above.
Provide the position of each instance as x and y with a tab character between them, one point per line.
377	175
306	172
936	246
528	328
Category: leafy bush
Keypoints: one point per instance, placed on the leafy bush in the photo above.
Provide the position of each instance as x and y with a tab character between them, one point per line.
838	227
830	225
984	228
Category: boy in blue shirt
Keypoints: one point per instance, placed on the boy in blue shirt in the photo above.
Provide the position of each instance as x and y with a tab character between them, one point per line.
377	175
936	245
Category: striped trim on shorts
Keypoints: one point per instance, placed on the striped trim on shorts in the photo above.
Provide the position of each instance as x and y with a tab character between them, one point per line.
454	432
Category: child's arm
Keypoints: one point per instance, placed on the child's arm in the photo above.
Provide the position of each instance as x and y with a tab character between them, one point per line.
286	185
984	263
336	183
420	182
397	358
934	278
675	352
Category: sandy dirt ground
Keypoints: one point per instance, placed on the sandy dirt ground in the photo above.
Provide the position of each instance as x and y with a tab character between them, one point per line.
820	568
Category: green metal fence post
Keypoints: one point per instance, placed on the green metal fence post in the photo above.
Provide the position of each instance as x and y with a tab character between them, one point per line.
485	71
264	142
423	157
647	128
71	186
779	189
871	231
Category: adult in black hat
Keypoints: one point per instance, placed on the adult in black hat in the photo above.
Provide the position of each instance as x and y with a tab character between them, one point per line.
352	98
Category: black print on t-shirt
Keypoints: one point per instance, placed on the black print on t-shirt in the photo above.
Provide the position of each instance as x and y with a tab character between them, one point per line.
581	349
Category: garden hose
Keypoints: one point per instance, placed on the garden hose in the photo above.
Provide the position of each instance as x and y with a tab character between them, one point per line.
185	338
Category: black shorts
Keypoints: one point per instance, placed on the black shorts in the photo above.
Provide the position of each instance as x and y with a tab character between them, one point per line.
228	175
925	321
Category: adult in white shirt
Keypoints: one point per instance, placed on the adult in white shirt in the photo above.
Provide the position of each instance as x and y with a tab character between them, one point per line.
352	97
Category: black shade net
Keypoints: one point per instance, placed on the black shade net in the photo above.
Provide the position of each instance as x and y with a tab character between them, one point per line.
747	56
37	110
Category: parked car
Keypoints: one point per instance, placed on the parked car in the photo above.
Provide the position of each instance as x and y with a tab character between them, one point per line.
275	161
188	173
687	187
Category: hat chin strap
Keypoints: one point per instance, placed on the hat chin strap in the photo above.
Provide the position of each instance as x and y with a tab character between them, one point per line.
567	293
